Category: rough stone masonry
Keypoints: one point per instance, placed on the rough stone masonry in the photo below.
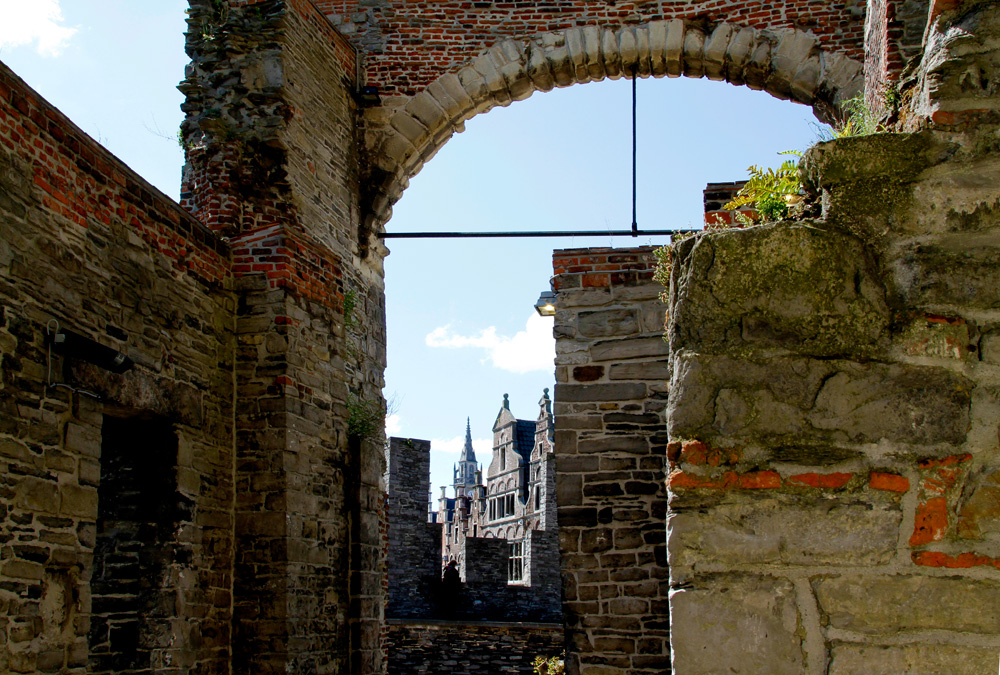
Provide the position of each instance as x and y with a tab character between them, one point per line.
833	404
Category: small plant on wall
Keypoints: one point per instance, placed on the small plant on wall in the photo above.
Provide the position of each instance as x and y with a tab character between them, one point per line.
364	419
549	666
770	191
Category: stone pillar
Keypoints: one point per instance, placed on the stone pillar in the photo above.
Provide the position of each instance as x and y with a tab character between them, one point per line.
610	395
273	165
414	561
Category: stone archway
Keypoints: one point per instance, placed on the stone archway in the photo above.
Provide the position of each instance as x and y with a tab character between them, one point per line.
787	63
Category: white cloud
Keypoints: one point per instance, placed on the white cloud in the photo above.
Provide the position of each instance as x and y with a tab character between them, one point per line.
34	20
530	349
393	425
455	445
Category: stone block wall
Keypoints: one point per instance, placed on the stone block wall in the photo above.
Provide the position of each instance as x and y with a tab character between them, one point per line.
833	412
484	562
92	579
279	178
246	354
610	445
424	647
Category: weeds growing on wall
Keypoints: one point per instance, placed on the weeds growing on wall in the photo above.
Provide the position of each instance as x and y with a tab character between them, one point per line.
364	418
857	119
550	666
770	191
773	193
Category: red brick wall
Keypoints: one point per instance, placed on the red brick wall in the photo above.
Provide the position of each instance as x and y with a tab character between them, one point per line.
716	196
409	44
601	267
86	185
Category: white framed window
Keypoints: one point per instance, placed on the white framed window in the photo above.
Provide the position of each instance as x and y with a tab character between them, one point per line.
515	562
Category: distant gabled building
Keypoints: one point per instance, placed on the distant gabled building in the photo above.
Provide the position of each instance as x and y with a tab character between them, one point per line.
516	499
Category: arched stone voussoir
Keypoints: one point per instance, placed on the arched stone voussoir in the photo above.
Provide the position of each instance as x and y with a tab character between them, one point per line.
787	63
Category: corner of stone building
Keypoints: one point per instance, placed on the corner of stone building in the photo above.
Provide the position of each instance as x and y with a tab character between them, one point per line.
272	166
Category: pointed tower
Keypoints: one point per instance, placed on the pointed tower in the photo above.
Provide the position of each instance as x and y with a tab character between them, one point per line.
465	469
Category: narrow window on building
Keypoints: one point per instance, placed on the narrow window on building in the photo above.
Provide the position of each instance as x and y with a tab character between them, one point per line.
538	498
515	562
137	515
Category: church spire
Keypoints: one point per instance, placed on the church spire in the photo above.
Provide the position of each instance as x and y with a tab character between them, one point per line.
468	454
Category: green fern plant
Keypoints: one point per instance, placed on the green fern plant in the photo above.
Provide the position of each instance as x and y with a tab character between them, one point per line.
769	191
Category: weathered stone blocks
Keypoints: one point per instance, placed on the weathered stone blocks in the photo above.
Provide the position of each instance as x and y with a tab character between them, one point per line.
816	401
782	528
880	604
750	623
792	287
855	659
853	457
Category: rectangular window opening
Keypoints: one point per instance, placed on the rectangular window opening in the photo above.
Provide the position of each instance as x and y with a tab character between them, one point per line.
515	562
138	512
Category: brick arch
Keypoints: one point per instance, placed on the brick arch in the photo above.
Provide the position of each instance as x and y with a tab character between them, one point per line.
787	63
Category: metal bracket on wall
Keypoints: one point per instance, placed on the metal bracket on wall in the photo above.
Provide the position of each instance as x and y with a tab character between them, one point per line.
52	331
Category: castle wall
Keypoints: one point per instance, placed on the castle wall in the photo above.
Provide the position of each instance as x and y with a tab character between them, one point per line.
414	559
272	164
834	387
116	522
610	442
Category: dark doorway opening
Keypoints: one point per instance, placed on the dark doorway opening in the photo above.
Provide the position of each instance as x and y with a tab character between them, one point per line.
138	512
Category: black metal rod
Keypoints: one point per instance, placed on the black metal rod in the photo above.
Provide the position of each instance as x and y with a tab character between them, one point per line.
543	233
635	78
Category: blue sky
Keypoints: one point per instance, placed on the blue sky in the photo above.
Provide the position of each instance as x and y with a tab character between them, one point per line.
461	325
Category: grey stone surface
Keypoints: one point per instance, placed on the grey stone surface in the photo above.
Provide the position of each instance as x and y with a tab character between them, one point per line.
789	529
890	604
745	624
814	400
623	391
607	323
793	287
916	659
